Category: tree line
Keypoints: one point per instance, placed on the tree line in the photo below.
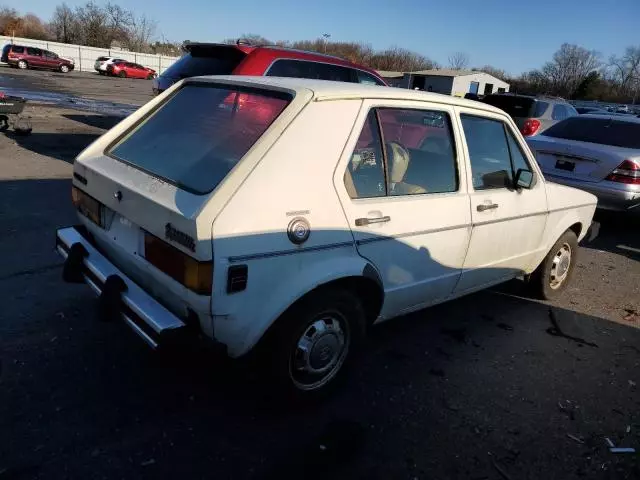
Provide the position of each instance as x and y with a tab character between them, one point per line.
573	72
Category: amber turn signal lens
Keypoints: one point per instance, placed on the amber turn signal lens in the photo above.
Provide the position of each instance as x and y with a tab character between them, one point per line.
196	276
87	205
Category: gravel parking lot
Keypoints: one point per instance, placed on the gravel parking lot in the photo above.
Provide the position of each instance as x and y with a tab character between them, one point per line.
491	386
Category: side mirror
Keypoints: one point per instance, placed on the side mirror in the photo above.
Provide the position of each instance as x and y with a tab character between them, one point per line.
524	178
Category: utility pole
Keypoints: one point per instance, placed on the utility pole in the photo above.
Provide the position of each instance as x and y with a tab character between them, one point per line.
326	37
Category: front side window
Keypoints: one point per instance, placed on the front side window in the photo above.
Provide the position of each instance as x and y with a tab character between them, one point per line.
419	150
49	54
36	52
488	152
366	78
199	135
559	112
518	159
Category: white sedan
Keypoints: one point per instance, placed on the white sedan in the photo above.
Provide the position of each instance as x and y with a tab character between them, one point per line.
288	216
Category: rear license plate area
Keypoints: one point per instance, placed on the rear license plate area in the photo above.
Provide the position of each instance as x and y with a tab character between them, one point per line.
126	234
566	165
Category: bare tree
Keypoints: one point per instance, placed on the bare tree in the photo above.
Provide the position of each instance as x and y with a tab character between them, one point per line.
9	21
624	71
33	27
401	60
64	24
458	61
139	33
93	23
120	23
569	67
496	72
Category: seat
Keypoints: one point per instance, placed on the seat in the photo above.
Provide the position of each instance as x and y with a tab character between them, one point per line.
399	159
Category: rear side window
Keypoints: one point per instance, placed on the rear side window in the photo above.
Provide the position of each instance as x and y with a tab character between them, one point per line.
559	112
540	109
206	61
604	131
34	51
17	49
517	107
305	69
196	138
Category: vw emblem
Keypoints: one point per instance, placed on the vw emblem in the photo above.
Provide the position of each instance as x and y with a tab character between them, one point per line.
117	195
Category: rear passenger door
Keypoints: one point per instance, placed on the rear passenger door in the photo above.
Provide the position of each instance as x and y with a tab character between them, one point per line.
34	57
508	223
404	195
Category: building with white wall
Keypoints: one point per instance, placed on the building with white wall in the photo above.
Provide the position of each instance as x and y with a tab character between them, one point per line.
448	82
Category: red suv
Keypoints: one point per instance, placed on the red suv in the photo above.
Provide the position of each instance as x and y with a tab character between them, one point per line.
32	57
124	69
243	59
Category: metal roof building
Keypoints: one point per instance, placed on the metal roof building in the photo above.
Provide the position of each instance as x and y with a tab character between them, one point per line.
446	81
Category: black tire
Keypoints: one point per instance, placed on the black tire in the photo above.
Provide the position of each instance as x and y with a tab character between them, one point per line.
64	68
150	76
287	367
553	275
22	65
122	74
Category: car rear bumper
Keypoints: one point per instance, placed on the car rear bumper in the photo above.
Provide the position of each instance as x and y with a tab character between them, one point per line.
611	195
118	294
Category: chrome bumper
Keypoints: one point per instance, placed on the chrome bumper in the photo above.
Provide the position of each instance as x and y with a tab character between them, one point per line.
118	294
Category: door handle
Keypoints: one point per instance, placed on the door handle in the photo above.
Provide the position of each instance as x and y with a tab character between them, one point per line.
484	206
362	222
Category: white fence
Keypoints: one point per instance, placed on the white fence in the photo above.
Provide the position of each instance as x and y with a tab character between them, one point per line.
85	57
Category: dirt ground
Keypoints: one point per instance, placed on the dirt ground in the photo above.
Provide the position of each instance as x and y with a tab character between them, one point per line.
491	386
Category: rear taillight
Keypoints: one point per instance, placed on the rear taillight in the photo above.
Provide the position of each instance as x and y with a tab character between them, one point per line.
88	206
530	127
196	276
627	172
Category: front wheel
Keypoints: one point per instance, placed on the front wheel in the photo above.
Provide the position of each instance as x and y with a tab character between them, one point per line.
553	275
22	65
64	68
310	347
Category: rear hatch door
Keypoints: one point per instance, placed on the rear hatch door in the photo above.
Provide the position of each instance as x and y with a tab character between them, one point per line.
155	172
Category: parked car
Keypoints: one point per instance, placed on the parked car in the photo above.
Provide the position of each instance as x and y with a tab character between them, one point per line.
31	57
622	109
284	215
125	69
241	59
533	115
596	153
103	62
583	110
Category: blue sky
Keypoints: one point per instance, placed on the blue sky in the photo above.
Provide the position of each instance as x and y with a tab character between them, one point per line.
509	34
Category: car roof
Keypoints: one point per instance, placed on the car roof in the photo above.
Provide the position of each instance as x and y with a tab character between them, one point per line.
609	116
328	90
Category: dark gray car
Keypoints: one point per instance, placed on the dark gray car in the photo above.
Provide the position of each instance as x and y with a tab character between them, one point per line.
532	115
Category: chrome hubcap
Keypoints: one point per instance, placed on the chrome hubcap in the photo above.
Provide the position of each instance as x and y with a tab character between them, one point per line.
560	266
319	353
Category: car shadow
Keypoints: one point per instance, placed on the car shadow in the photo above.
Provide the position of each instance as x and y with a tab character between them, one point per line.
618	232
60	146
104	122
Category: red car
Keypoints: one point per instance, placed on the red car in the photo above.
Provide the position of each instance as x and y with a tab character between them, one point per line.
242	59
124	69
32	57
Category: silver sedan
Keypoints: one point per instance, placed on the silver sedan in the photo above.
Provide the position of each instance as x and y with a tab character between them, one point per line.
596	153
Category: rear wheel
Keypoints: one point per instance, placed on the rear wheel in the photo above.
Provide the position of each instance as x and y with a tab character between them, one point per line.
22	65
122	74
553	275
310	347
64	68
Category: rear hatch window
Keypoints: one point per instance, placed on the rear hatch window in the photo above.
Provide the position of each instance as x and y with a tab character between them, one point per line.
214	60
203	130
516	107
604	131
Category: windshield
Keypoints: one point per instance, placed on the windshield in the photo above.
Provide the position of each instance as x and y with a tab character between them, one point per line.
518	107
206	61
200	134
605	131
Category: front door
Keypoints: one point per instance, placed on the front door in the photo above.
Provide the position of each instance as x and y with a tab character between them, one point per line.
508	222
403	193
34	57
